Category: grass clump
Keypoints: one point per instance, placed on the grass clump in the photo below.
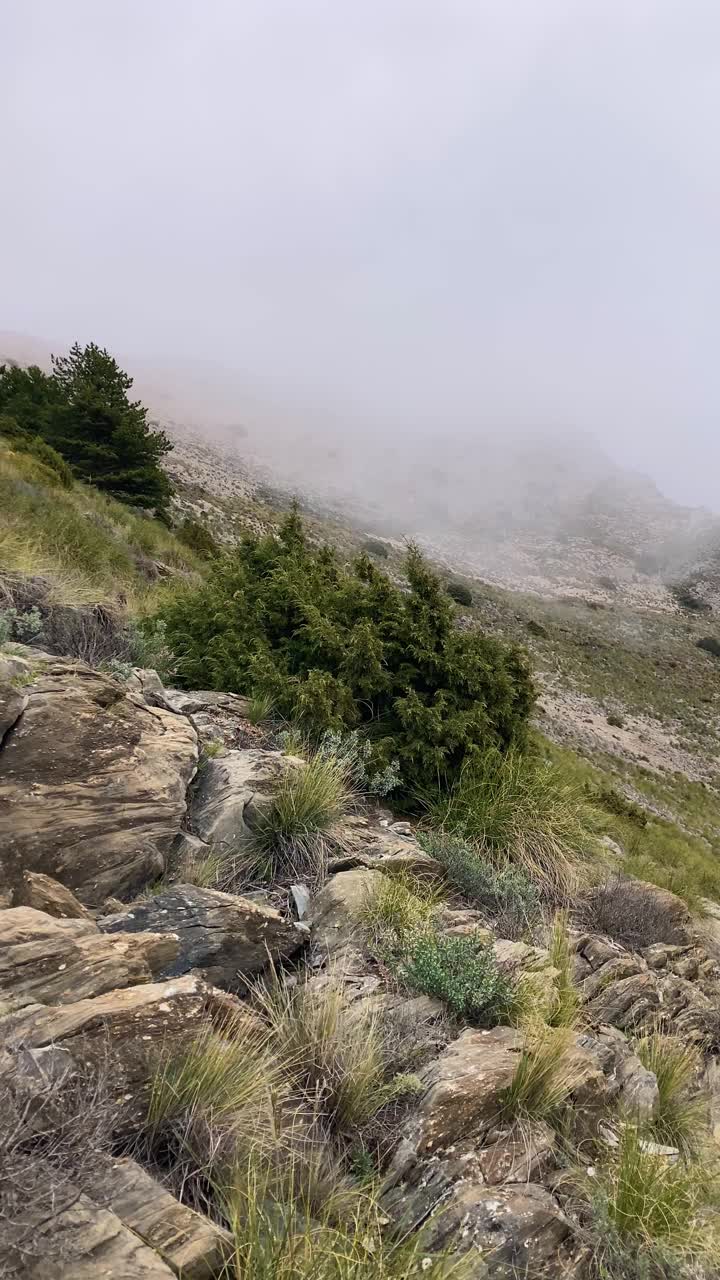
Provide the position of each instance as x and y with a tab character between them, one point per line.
463	972
502	890
398	909
565	1003
332	1051
682	1116
545	1077
290	1237
288	833
650	1214
524	808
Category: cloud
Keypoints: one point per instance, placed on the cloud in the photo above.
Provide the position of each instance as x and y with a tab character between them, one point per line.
397	219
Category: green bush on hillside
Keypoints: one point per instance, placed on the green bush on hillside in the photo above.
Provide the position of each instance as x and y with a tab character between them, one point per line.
22	442
459	593
83	412
710	644
198	537
342	648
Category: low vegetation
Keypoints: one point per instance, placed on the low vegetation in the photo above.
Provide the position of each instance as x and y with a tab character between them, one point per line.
652	1217
500	889
629	911
682	1115
546	1075
289	831
460	593
341	647
460	970
524	809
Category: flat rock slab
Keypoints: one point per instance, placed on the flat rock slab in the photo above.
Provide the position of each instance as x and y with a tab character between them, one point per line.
131	1029
92	784
226	938
60	961
82	1241
193	1246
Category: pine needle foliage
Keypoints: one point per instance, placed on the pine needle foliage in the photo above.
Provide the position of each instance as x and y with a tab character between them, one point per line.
342	647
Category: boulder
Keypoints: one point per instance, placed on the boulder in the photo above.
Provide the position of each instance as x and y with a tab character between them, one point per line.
13	701
59	961
92	785
231	789
49	895
336	912
463	1089
130	1029
507	1231
625	1003
223	937
191	1245
522	1155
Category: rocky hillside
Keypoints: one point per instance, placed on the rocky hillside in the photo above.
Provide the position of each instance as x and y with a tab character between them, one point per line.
456	1089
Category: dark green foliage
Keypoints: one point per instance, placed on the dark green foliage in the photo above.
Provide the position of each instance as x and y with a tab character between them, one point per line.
536	628
503	891
710	644
374	547
83	412
686	596
613	801
463	972
341	648
614	720
23	442
459	593
198	537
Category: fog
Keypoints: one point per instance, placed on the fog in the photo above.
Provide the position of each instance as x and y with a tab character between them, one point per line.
382	233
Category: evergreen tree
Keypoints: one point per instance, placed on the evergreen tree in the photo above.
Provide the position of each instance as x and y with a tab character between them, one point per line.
83	410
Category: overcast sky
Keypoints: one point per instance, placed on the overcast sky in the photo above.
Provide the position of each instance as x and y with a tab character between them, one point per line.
416	216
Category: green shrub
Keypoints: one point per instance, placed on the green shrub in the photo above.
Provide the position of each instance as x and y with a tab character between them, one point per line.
459	593
686	596
198	537
373	547
710	644
463	972
615	720
527	810
342	648
613	801
536	629
501	890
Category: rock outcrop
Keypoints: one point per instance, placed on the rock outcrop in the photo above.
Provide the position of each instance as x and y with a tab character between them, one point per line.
92	783
223	937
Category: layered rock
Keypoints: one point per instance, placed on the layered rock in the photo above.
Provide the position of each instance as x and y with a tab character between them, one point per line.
223	937
92	783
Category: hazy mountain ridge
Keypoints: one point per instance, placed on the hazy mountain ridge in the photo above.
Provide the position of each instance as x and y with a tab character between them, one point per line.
552	516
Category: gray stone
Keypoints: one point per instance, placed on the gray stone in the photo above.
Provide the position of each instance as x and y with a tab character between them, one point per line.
93	783
232	789
226	938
